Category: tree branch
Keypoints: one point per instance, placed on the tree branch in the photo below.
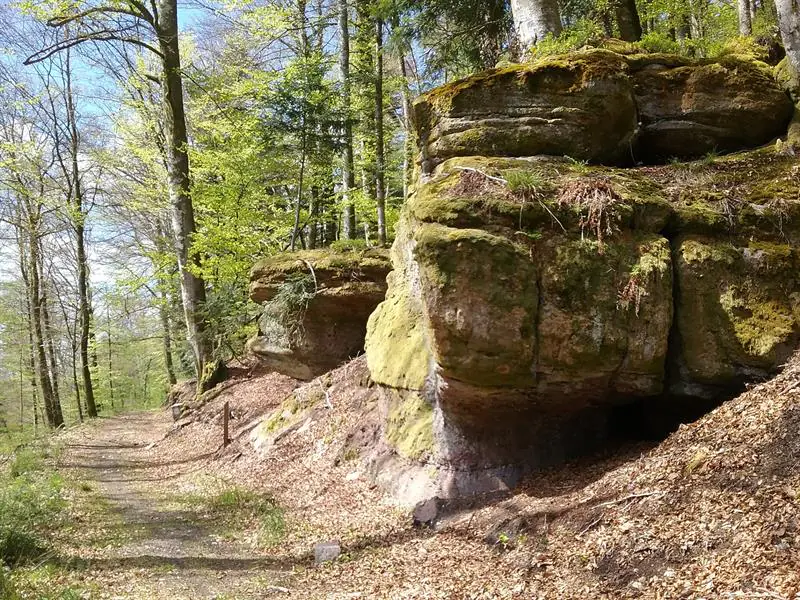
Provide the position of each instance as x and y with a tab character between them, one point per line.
98	36
66	19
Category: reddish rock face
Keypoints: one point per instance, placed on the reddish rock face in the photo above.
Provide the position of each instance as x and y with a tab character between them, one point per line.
316	306
604	108
531	298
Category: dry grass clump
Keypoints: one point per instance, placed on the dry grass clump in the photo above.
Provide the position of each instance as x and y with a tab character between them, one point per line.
595	199
632	294
475	184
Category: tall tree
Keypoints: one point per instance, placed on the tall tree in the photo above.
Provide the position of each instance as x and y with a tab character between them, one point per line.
380	158
789	25
630	26
348	175
745	18
114	22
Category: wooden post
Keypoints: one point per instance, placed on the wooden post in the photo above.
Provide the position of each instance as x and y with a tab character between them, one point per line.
226	411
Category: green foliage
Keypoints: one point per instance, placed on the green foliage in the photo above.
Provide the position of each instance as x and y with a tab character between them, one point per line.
659	42
584	32
522	181
31	506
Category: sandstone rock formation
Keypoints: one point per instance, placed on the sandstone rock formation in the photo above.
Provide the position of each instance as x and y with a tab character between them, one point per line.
531	295
316	305
606	108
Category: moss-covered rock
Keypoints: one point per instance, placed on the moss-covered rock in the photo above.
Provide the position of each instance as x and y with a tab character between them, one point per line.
529	295
687	111
579	105
604	107
738	312
316	306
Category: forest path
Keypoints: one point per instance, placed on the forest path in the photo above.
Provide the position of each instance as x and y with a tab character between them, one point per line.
156	547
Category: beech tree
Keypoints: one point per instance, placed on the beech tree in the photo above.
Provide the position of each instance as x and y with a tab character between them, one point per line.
115	21
789	25
534	20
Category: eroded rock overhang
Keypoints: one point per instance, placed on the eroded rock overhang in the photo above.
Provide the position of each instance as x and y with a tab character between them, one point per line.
531	295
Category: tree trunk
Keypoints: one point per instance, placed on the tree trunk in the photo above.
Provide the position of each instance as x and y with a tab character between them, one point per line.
630	27
380	159
789	25
52	412
534	20
348	176
299	199
163	313
193	289
110	365
79	226
408	142
47	331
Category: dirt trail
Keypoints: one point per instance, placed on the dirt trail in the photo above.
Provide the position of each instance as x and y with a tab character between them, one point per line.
165	552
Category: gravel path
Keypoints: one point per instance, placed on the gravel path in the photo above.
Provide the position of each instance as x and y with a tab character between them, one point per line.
166	553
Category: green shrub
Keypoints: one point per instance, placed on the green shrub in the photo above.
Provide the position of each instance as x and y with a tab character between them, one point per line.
25	462
657	42
31	505
584	33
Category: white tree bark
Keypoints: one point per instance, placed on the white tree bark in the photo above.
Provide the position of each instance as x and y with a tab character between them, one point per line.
745	23
789	24
534	19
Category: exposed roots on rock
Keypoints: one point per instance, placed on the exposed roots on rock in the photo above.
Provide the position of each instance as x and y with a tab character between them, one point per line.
595	200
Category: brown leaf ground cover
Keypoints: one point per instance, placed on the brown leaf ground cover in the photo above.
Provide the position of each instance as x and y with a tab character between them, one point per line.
711	512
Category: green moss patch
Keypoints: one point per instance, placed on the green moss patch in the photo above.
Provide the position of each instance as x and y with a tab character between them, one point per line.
409	428
760	323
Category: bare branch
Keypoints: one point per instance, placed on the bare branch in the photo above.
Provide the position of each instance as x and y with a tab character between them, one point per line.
66	19
98	36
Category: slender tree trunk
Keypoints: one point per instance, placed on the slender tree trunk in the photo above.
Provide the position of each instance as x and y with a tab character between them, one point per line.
630	27
85	324
79	226
193	289
108	357
534	20
408	142
163	312
348	177
299	199
76	386
380	160
789	25
47	330
52	412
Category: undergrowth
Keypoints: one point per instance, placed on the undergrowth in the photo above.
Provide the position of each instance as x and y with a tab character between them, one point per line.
240	509
32	513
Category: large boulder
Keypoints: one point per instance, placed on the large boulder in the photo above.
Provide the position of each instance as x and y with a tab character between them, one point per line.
602	107
532	297
688	110
316	305
581	106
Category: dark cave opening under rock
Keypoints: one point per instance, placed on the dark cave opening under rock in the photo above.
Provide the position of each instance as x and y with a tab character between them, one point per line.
653	419
517	440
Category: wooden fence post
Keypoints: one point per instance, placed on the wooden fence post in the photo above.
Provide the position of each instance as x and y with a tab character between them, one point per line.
226	412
